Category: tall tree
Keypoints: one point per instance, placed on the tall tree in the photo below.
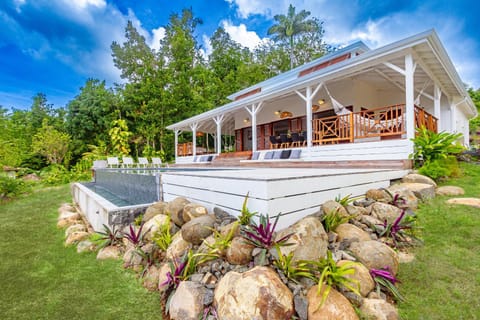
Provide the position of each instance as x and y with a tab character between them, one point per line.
290	26
51	143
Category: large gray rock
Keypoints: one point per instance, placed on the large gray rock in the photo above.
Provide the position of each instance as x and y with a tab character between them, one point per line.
378	309
256	294
76	237
178	247
418	178
472	202
422	191
163	270
239	252
153	225
375	255
197	229
378	195
66	207
155	209
85	246
361	275
356	211
450	191
132	258
193	210
332	206
370	221
175	210
187	301
68	218
405	198
110	252
335	307
384	211
351	232
309	241
74	228
150	279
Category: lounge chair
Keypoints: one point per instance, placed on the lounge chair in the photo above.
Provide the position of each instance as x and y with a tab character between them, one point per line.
127	162
143	162
157	162
112	162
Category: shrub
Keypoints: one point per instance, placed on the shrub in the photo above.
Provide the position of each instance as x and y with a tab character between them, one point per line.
441	168
331	220
430	146
10	187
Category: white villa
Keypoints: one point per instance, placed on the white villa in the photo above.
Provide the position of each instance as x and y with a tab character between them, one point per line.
351	107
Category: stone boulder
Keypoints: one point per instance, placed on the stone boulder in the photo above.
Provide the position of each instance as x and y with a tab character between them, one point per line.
163	270
349	231
153	225
356	211
472	202
336	306
449	191
405	199
362	275
65	223
378	195
422	191
76	237
332	206
370	221
193	210
68	218
375	255
384	211
74	228
197	229
187	303
418	178
150	279
175	210
239	252
66	207
378	309
178	247
132	259
256	294
309	241
31	177
85	246
110	252
155	209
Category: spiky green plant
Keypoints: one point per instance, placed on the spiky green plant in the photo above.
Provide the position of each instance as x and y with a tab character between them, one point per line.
385	279
292	269
246	216
109	237
345	201
332	219
163	236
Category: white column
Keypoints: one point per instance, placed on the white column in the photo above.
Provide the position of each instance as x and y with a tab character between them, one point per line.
194	126
409	99
177	132
453	123
437	95
218	121
308	111
253	114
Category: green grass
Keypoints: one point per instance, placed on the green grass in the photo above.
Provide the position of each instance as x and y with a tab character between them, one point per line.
41	279
443	282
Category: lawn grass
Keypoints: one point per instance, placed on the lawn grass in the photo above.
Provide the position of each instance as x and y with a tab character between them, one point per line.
443	282
41	279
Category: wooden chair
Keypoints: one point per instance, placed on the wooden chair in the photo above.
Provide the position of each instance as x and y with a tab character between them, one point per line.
296	141
285	141
274	143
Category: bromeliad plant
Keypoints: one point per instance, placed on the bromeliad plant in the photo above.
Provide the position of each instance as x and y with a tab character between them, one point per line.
163	236
396	199
133	236
401	231
332	219
246	216
263	234
385	279
332	275
293	270
109	237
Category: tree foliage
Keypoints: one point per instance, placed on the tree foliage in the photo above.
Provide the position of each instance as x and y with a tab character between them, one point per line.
51	143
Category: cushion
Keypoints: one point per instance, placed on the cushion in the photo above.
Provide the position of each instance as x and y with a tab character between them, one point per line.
268	155
285	154
255	155
295	154
277	154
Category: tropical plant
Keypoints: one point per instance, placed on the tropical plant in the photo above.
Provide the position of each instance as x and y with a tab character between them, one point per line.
119	136
401	231
430	146
163	236
385	279
222	241
396	199
289	26
345	200
332	219
135	237
109	236
292	269
262	235
180	270
246	216
332	275
10	187
441	168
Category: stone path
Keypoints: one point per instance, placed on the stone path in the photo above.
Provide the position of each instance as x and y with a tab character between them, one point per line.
473	202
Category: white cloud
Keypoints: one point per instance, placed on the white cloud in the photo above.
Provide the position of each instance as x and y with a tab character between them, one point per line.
82	4
158	34
240	34
207	45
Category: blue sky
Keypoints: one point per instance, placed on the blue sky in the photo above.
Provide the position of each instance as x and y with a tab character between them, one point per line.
54	46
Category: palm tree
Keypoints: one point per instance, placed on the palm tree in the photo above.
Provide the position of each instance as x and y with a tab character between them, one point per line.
290	25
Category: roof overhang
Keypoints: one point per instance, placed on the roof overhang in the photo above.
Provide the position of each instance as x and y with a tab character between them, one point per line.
425	47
